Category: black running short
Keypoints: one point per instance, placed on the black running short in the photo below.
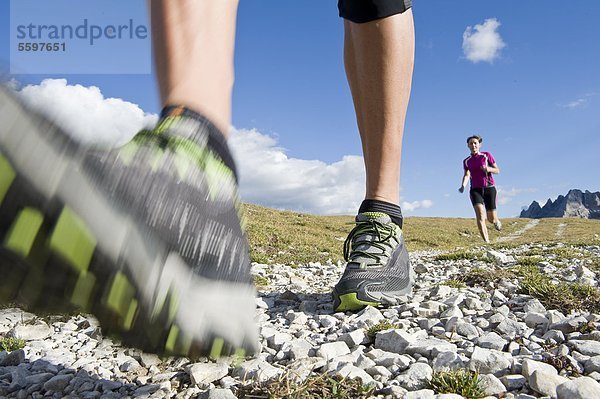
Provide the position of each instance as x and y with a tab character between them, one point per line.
361	11
485	196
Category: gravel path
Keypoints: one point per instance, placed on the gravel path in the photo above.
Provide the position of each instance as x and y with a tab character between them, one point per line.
560	230
509	338
519	233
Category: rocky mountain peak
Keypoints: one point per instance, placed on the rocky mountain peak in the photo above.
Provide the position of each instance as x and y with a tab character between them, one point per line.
577	203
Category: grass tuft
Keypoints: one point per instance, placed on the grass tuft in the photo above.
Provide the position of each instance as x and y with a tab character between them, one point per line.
482	277
10	344
454	283
462	382
314	387
261	281
563	296
528	261
381	326
459	255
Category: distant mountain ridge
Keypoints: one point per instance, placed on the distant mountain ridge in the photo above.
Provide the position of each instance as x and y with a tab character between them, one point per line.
576	204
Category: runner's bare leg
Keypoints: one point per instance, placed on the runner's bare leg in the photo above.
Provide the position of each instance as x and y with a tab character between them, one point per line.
379	58
194	46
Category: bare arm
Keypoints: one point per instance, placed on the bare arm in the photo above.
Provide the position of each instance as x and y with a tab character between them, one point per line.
465	179
491	169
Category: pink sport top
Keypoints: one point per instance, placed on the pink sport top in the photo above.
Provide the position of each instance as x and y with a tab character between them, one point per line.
473	163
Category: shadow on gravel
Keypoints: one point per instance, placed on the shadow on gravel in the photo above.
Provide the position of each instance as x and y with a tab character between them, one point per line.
282	302
67	357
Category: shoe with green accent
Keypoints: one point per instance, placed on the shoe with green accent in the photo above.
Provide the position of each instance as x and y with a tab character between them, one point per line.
147	237
378	272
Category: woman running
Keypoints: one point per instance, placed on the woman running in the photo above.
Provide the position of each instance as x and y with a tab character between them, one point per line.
479	167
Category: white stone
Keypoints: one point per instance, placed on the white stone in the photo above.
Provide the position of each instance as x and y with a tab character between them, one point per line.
394	340
202	374
467	330
491	385
327	321
351	372
489	361
297	348
355	338
579	388
331	350
217	393
448	361
499	257
546	384
364	362
568	325
491	340
257	370
301	369
513	382
369	316
149	359
530	366
592	365
452	311
277	340
379	370
420	394
429	347
535	319
31	332
416	377
586	347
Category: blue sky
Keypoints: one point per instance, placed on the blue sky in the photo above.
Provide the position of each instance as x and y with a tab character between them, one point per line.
530	86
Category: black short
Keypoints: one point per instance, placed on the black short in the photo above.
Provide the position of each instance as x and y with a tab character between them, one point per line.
361	11
485	196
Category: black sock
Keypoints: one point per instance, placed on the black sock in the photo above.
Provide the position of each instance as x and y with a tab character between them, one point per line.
215	141
392	210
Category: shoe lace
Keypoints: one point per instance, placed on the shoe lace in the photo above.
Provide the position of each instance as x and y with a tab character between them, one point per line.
374	234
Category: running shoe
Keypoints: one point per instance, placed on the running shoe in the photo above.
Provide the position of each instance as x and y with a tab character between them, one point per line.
498	225
378	272
147	237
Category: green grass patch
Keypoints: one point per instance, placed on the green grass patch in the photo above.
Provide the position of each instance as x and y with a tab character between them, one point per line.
462	382
381	326
528	260
459	255
479	277
593	264
454	283
563	296
314	387
261	281
10	344
533	252
285	237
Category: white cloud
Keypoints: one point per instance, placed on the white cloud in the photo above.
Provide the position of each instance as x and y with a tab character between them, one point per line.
85	112
268	176
576	103
506	195
408	207
12	84
483	42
